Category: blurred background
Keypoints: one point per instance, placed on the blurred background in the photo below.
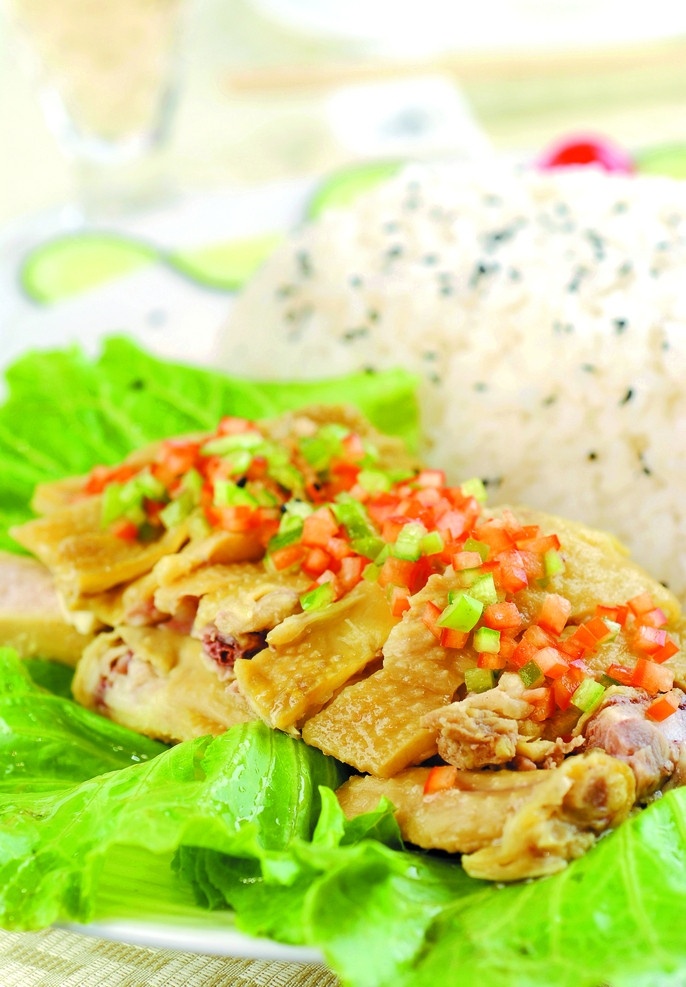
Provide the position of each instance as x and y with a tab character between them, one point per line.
274	89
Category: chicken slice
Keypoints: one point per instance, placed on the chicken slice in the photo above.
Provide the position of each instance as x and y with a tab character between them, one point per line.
234	618
597	569
159	594
86	558
654	751
310	655
31	617
508	825
482	729
376	724
157	682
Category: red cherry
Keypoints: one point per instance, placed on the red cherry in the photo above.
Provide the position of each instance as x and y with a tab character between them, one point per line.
572	152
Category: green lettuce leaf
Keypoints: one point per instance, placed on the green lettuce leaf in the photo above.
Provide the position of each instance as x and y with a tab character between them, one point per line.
608	919
249	788
50	675
66	412
47	742
96	822
383	915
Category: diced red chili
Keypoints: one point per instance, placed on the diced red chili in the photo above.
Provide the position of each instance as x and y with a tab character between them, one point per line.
648	640
551	662
565	687
652	677
663	706
502	616
440	778
288	556
319	528
667	651
641	603
430	615
101	476
466	560
451	638
125	529
620	673
554	613
399	600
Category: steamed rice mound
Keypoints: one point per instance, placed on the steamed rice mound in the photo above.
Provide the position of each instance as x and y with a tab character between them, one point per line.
545	315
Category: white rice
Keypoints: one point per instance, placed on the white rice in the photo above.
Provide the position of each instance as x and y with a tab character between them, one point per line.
545	313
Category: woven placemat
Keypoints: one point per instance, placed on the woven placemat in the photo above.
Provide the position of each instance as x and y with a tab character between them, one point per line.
56	958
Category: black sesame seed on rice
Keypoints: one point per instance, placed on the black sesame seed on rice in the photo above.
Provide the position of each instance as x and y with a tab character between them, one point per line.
575	282
358	332
573	289
481	270
597	243
563	328
304	262
285	290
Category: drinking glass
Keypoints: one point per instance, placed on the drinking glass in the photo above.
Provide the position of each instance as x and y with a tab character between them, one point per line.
107	73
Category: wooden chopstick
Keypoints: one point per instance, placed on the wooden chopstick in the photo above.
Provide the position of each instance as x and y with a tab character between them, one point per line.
468	67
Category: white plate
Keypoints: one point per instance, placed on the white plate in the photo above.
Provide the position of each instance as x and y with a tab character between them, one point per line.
179	319
213	936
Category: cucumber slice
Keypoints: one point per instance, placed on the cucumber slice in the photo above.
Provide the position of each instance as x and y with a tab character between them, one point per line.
225	266
668	160
77	262
342	187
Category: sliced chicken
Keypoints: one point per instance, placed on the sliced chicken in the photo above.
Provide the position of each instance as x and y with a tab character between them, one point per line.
157	682
31	617
598	569
84	557
376	723
654	751
508	825
309	656
483	729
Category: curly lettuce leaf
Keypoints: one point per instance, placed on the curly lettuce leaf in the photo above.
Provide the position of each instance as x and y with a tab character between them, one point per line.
383	915
51	675
66	412
611	918
247	789
49	743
